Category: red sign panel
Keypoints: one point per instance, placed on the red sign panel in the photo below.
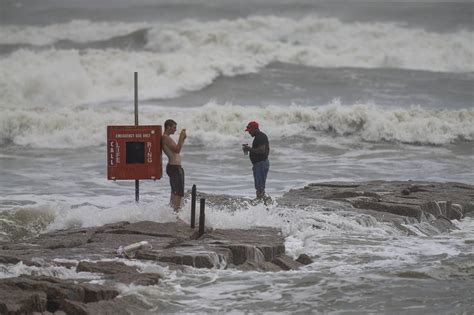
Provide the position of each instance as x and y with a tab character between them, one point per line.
134	152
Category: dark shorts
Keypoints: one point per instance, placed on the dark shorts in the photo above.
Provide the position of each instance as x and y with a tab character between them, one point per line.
176	174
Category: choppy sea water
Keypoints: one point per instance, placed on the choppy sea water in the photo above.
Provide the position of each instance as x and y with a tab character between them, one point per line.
344	92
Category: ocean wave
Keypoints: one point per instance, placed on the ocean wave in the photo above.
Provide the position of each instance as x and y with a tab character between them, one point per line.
221	125
57	78
89	61
80	31
322	42
313	41
132	41
414	125
20	223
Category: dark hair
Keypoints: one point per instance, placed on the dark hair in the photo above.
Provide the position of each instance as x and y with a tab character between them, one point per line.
170	123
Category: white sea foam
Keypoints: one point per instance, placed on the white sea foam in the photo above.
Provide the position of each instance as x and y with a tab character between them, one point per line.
345	246
58	78
10	271
222	125
119	209
312	40
76	30
188	56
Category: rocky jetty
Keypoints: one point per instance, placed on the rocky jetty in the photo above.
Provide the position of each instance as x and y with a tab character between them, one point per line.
172	244
176	245
396	201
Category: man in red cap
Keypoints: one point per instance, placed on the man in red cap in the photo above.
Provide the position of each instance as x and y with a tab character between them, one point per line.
258	156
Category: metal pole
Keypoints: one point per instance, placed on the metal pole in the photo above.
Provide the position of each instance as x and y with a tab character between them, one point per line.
193	207
202	217
137	182
136	98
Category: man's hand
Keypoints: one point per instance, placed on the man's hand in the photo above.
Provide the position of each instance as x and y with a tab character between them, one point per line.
183	135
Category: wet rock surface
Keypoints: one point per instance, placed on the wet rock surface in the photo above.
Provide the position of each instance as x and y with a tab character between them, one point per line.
175	245
431	202
25	294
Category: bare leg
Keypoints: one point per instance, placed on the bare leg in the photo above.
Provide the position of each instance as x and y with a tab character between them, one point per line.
176	202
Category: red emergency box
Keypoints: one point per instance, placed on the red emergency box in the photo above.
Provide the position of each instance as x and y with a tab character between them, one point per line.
134	152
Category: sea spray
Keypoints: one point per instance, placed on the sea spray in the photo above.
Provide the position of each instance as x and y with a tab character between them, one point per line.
259	40
82	127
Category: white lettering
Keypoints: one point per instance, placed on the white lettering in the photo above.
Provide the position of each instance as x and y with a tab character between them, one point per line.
124	135
149	153
117	156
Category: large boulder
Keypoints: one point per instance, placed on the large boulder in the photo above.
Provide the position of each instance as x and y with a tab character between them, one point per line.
27	294
435	203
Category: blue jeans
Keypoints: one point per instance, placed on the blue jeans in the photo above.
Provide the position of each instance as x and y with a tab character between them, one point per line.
260	171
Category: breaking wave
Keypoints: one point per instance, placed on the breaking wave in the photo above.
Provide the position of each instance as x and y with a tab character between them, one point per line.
222	124
313	41
83	62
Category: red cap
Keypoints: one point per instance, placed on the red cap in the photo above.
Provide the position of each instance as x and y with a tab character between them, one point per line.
252	125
